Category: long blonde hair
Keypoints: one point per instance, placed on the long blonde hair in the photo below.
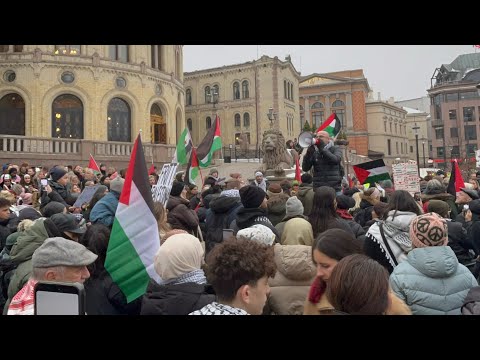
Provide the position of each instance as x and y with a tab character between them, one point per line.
160	214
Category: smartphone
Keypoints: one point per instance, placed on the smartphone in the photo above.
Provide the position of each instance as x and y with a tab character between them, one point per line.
57	298
227	234
465	209
44	182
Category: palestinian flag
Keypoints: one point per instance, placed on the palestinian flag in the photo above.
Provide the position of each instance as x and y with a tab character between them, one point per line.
456	181
184	146
371	172
134	240
210	143
331	125
92	164
192	168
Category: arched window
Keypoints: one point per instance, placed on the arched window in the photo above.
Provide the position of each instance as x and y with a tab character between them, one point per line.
207	95
158	125
291	92
246	120
190	125
237	120
188	97
119	120
67	117
236	91
215	91
12	115
317	105
208	122
338	103
245	93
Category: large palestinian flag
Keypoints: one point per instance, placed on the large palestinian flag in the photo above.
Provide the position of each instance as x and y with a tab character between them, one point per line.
134	240
331	125
456	181
210	143
371	172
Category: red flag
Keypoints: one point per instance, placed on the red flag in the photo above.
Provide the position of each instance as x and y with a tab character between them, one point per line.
350	182
476	46
151	170
298	174
456	180
92	164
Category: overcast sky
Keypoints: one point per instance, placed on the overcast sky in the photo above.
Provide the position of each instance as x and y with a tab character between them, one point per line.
400	71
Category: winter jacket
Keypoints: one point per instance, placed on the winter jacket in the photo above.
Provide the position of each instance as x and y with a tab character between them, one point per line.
326	165
6	229
457	240
295	273
59	193
104	210
277	208
357	230
281	225
221	214
297	231
104	297
445	197
471	304
21	254
305	195
432	282
179	299
180	216
248	217
364	215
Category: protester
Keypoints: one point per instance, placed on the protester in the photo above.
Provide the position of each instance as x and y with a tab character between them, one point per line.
295	228
104	210
344	203
58	260
260	181
184	287
276	203
160	213
431	281
180	216
326	159
305	193
238	271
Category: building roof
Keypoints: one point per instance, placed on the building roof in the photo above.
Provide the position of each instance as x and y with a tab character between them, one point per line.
465	67
412	111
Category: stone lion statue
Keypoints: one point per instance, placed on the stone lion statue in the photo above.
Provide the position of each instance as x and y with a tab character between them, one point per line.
275	155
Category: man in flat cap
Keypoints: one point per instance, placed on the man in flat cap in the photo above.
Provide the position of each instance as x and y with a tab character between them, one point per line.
58	260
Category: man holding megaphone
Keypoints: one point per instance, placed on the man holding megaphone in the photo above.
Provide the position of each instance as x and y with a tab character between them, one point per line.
326	159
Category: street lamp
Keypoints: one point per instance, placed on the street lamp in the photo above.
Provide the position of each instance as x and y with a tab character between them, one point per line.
213	97
423	146
415	130
271	116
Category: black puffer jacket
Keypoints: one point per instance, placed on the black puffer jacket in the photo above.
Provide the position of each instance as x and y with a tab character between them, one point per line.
326	167
59	193
222	212
457	240
180	299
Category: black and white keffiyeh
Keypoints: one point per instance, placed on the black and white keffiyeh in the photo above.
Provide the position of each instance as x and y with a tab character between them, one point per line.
219	309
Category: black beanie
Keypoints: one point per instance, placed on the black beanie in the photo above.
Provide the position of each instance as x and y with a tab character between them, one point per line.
177	188
52	208
345	202
57	173
251	196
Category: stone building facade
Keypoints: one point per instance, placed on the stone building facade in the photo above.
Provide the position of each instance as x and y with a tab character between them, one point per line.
242	96
342	92
72	100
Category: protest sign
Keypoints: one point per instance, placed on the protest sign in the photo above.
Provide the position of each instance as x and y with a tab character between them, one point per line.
86	195
406	178
161	191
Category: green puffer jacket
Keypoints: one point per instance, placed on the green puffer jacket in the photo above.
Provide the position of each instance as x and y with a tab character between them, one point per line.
21	254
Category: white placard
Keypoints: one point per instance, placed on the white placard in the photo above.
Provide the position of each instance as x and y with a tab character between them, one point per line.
405	176
161	191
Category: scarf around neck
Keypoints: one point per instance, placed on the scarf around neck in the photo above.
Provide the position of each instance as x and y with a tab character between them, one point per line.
195	276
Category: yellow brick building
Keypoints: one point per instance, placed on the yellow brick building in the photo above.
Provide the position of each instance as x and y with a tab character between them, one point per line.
242	96
76	99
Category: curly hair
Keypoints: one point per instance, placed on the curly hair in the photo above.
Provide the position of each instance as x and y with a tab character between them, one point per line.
235	263
271	158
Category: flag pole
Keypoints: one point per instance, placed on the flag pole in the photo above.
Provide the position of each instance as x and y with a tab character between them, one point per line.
201	176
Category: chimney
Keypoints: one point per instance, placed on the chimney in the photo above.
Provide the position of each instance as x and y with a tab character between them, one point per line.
379	97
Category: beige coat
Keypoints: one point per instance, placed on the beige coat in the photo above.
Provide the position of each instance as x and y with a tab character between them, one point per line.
297	231
295	273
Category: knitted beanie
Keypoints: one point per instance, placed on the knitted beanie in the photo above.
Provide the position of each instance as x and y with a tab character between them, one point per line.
345	202
259	233
428	230
274	190
177	188
294	207
251	196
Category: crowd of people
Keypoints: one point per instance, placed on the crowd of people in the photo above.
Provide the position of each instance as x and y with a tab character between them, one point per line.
236	246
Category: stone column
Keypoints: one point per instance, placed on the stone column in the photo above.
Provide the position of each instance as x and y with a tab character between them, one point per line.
306	110
348	112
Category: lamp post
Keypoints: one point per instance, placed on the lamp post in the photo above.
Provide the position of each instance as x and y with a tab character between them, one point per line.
415	130
272	117
423	147
213	98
